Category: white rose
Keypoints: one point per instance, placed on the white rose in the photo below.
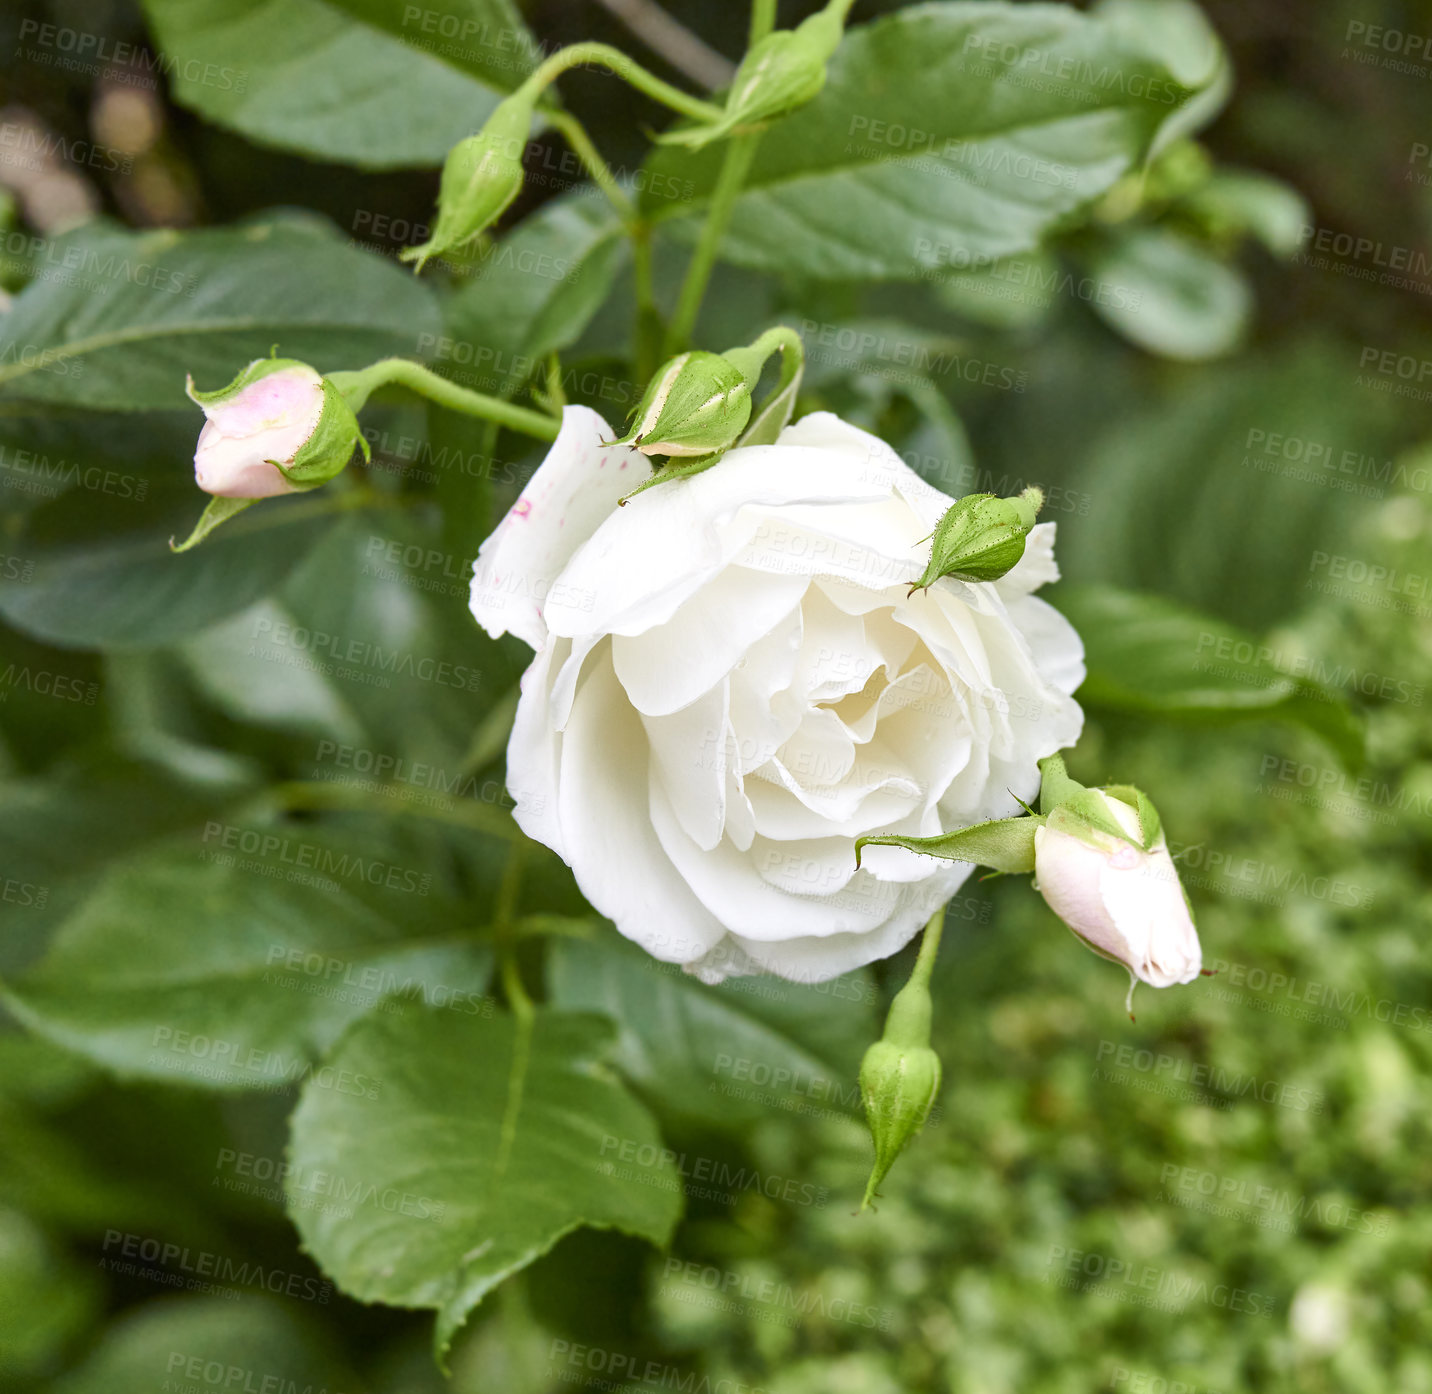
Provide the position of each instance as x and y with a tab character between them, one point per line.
1125	903
269	419
731	685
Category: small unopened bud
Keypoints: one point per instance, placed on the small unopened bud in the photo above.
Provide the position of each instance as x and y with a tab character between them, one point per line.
696	405
899	1078
981	537
779	75
279	426
1102	864
481	177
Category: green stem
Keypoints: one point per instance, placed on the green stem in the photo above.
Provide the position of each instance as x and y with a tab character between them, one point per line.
356	387
575	134
650	330
737	164
618	63
929	948
751	359
763	20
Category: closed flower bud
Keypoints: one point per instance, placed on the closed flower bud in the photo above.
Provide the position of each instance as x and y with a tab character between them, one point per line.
1102	863
981	537
696	405
481	177
257	425
779	75
899	1079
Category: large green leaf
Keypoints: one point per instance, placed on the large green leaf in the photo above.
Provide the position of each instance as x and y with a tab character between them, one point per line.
536	291
947	134
143	309
723	1055
368	82
1153	655
91	576
172	1343
59	831
486	1146
231	963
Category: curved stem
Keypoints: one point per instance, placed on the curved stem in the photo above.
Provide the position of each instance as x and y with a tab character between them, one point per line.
737	164
618	63
357	387
929	949
575	134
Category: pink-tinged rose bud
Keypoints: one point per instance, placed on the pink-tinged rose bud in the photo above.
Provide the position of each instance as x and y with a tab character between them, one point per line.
262	420
1123	899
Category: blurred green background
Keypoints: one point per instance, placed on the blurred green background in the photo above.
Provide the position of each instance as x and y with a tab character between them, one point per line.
1231	1193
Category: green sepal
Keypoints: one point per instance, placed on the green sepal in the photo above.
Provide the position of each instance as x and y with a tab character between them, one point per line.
663	474
328	450
218	511
1149	822
1003	844
774	414
259	368
1071	807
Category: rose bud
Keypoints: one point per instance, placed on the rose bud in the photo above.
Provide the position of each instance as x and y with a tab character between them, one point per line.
278	427
1103	865
900	1074
481	177
697	404
981	538
779	75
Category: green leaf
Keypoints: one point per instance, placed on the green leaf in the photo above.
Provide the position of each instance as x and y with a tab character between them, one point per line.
365	82
252	1341
491	1140
537	289
59	831
234	961
46	1298
1003	844
1176	299
98	577
1147	654
143	309
947	135
680	1040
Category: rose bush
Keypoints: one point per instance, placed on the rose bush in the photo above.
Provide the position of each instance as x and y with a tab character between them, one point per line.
731	684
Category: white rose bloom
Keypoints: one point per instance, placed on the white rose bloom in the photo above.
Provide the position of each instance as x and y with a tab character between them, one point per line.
1125	903
731	685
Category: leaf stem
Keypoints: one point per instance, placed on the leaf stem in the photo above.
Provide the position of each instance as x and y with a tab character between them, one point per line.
734	168
575	134
356	387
